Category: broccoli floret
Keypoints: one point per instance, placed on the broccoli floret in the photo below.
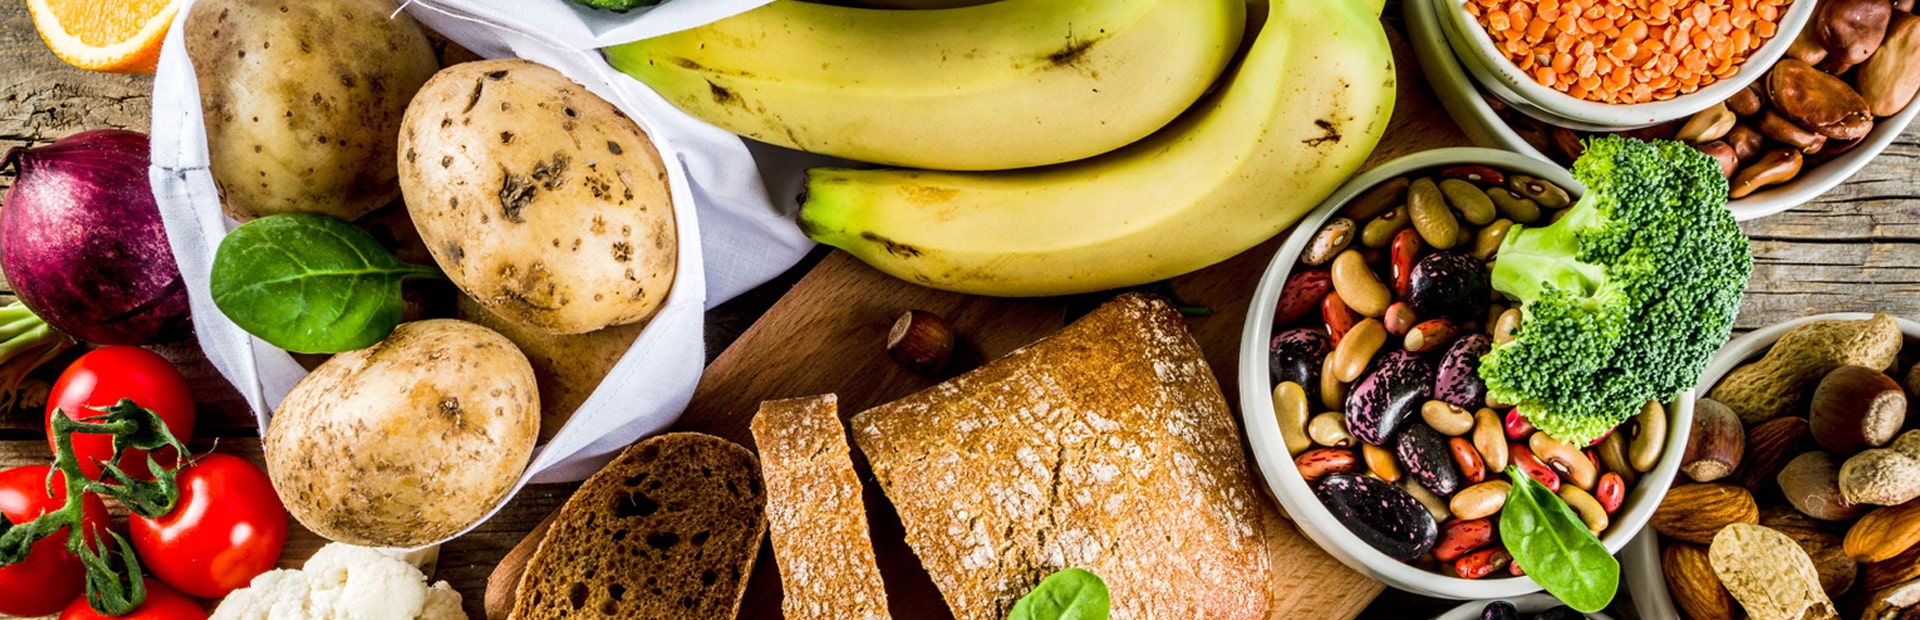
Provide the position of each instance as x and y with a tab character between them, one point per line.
1625	298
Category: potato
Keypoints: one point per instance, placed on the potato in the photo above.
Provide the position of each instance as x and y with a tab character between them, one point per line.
303	101
408	441
567	368
539	199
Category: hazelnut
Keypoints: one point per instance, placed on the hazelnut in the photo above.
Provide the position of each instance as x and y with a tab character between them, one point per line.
1716	444
1811	483
1856	408
1747	102
921	341
1746	142
1850	30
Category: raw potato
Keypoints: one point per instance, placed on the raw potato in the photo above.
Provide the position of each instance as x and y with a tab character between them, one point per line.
539	199
1769	574
303	101
406	442
566	368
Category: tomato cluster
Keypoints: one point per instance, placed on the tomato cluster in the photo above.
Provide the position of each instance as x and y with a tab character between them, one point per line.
227	527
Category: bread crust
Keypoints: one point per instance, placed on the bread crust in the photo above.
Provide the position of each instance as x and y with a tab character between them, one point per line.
1107	446
815	517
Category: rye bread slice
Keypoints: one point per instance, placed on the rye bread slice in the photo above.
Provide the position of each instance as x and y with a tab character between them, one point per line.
669	529
1107	446
814	513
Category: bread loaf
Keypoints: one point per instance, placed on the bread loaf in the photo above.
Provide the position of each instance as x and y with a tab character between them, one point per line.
814	516
1107	446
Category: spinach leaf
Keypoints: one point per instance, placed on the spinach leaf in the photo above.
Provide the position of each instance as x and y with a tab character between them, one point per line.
1071	594
310	283
1554	546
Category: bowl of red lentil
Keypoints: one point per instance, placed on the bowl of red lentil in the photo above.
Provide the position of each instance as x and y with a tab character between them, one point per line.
1602	65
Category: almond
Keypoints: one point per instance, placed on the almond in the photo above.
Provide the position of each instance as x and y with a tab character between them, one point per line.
1694	586
1893	570
1884	533
1769	446
1695	512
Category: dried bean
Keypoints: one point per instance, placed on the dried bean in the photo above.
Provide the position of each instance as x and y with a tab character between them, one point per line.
1480	501
1405	254
1774	167
1330	429
1467	460
1430	335
1338	318
1462	536
1302	294
1290	414
1381	230
1482	563
1524	458
1486	243
1358	286
1490	440
1449	420
1707	125
1475	173
1473	203
1503	328
1430	214
1321	462
1610	491
1649	436
1517	426
1513	206
1328	243
1435	506
1378	200
1540	192
1589	509
1380	462
1613	456
1356	350
1333	392
1399	318
1564	458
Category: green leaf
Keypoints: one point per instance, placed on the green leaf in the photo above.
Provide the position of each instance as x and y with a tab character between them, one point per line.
1551	543
310	283
1071	594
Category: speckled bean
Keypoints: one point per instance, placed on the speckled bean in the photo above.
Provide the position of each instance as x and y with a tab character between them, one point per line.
1320	462
1430	335
1431	217
1479	501
1473	203
1610	491
1330	429
1358	286
1475	173
1523	457
1355	351
1540	192
1513	206
1467	459
1329	242
1565	459
1337	316
1462	536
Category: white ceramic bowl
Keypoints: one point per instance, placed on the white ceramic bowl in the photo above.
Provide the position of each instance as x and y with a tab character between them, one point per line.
1640	561
1469	108
1276	466
1505	80
1528	604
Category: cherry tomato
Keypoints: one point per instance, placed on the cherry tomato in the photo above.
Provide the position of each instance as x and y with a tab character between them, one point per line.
104	376
51	575
163	603
228	528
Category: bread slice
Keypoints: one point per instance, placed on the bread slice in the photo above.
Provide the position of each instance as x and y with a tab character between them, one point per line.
814	513
1106	446
669	529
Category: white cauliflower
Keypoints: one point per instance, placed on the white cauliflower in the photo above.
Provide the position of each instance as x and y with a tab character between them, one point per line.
344	582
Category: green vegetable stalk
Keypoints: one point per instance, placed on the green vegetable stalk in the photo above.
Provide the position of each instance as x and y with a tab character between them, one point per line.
1070	594
1624	298
114	586
1551	543
26	343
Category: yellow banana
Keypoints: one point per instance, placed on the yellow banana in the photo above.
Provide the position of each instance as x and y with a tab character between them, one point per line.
1300	114
1010	84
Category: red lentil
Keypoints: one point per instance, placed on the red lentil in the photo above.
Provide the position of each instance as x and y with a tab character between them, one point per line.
1628	51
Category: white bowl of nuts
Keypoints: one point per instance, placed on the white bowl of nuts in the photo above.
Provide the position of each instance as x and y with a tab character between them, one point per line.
1372	427
1619	64
1768	174
1527	607
1808	456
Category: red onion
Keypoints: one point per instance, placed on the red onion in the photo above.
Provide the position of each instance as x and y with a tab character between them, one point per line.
82	244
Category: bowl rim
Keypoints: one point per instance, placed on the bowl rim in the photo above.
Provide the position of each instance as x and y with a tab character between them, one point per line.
1640	561
1536	100
1526	603
1276	468
1462	99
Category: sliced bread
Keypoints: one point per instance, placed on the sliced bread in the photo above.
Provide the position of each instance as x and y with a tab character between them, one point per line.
814	513
669	529
1107	446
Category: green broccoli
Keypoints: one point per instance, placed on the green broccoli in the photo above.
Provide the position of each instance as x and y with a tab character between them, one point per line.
1625	298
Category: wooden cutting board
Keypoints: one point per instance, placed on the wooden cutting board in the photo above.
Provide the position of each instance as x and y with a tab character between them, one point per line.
827	335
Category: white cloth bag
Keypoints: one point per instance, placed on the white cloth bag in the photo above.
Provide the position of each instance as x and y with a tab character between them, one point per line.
732	237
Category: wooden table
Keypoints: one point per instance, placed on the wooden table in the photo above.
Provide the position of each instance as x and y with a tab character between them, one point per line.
1858	248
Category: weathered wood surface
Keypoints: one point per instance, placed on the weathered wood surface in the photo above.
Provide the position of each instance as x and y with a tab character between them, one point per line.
1858	248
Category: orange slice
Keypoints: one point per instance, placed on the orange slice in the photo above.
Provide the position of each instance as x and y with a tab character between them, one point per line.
121	36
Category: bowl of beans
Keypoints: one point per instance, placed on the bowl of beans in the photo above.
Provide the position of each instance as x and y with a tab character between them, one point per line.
1763	148
1616	64
1529	607
1359	387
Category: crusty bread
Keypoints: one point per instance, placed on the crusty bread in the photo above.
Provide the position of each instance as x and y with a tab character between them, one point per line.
1106	446
669	529
814	514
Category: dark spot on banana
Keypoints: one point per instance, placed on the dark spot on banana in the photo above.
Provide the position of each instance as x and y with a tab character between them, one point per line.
893	247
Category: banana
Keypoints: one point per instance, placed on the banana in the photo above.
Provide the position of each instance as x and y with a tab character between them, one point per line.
1010	84
1301	114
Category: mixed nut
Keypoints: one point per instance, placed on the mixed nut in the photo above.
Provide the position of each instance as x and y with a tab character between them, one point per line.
1855	62
1804	478
1380	331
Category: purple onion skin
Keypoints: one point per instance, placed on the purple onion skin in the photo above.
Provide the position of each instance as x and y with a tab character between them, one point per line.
82	245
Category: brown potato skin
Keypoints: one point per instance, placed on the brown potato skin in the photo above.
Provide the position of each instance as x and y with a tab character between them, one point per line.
406	442
303	101
567	368
540	200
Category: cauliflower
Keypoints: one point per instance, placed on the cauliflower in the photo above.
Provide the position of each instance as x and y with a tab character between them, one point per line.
344	582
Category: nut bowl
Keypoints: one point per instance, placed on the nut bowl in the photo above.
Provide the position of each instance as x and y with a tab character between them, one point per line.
1478	52
1640	562
1270	444
1475	111
1526	604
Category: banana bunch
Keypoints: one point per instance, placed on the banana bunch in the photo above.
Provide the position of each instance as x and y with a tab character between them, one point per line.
1299	115
1009	84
